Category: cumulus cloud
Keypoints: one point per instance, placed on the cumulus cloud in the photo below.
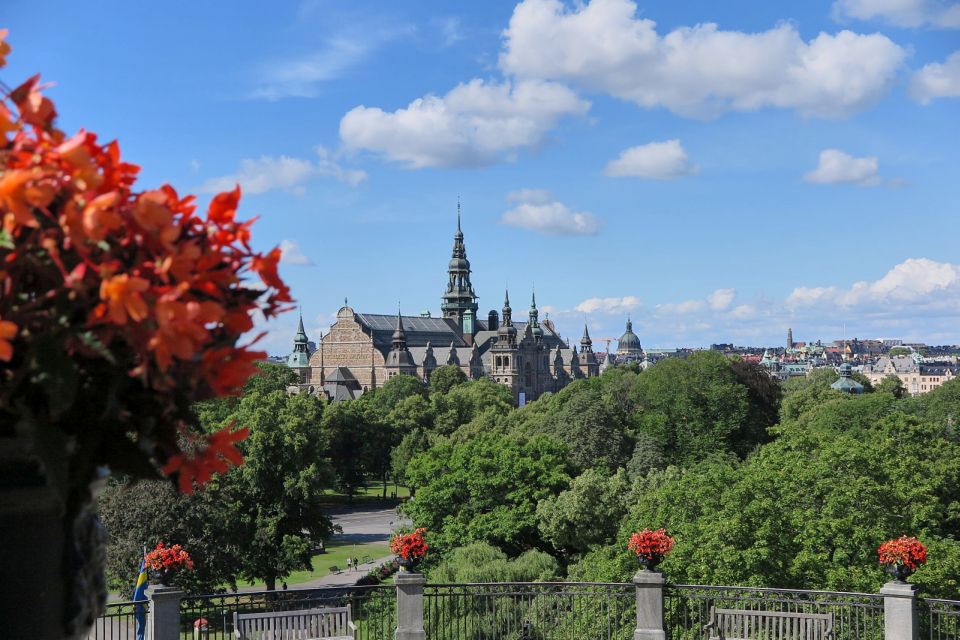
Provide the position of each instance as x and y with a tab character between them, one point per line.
537	210
721	299
268	172
937	80
654	161
902	13
475	124
290	253
698	71
680	308
916	281
608	305
837	167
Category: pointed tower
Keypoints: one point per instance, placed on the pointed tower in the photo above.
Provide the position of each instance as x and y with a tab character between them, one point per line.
535	330
507	333
399	360
588	361
459	299
429	362
504	353
299	359
789	338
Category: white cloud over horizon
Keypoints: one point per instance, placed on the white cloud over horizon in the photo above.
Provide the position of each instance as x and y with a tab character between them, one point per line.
476	123
838	167
652	161
699	71
267	173
291	253
537	210
902	13
937	80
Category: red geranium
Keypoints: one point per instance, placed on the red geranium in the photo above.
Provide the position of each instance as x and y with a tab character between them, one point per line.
651	544
905	550
167	560
119	309
410	546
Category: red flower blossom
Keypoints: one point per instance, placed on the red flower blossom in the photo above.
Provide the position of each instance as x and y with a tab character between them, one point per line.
650	544
167	559
410	546
904	550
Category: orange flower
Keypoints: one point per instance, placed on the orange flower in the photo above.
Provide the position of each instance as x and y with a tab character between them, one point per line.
100	217
13	197
8	331
266	266
122	295
4	48
223	207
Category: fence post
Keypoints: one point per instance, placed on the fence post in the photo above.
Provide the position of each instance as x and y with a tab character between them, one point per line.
649	587
409	606
900	611
163	622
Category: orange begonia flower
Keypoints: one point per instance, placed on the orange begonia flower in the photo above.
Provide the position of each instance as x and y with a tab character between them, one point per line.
100	216
122	295
4	47
8	331
223	207
13	197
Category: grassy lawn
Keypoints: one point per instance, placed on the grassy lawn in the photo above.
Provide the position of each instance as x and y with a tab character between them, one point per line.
371	493
336	555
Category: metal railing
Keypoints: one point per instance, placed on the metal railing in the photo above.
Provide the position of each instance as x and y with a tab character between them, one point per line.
939	619
856	616
533	611
373	608
118	622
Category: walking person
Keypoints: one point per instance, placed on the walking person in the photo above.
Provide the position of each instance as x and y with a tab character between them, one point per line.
349	564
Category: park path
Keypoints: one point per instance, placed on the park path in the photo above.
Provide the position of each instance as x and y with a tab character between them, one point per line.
360	525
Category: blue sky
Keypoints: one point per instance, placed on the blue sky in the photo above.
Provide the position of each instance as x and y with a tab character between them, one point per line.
720	171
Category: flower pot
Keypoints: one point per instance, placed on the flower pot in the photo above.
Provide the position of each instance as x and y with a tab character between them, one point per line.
900	572
407	564
649	562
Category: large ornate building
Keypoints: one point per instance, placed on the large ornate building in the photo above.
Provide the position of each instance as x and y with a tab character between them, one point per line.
363	350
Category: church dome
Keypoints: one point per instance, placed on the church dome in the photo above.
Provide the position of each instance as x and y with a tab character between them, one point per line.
629	343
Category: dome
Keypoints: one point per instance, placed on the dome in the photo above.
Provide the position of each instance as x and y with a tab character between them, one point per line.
629	343
459	264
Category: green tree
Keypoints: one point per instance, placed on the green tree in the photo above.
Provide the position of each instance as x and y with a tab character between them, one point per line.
486	489
586	514
412	445
348	433
899	351
394	391
694	407
277	494
892	384
463	402
482	562
444	378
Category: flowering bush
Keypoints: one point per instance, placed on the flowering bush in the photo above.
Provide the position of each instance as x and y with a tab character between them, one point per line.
650	545
906	551
167	561
410	546
119	309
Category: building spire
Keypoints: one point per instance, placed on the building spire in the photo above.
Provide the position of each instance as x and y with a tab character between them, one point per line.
399	336
458	215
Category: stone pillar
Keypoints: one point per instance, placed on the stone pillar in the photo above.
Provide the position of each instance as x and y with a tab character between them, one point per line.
649	586
900	611
409	606
163	619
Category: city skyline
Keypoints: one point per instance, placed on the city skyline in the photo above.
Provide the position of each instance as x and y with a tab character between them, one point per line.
720	172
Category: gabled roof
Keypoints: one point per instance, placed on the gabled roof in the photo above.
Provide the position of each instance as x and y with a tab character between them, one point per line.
418	330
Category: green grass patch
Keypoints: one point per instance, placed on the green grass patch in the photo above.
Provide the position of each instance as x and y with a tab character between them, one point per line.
336	556
371	493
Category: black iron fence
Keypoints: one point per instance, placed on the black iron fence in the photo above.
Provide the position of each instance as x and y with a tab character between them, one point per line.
856	616
939	619
373	609
118	622
531	611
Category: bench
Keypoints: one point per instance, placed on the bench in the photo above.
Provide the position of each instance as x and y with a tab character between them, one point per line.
743	624
330	623
335	569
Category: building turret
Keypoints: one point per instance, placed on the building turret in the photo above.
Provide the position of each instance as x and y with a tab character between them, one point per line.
459	299
300	357
588	361
535	329
452	357
399	360
845	382
790	338
629	344
507	333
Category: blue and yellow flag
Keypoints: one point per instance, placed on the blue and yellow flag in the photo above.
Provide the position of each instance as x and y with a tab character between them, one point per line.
140	597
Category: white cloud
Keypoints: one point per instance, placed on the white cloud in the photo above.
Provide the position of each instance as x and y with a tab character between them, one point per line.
608	305
837	167
655	161
450	28
267	173
914	282
902	13
290	253
721	299
537	210
476	123
680	308
698	71
937	80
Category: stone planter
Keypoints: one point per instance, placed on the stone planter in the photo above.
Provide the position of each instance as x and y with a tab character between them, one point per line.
649	563
900	572
407	565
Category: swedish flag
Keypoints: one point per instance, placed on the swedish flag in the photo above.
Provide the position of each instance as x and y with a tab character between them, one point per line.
140	597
